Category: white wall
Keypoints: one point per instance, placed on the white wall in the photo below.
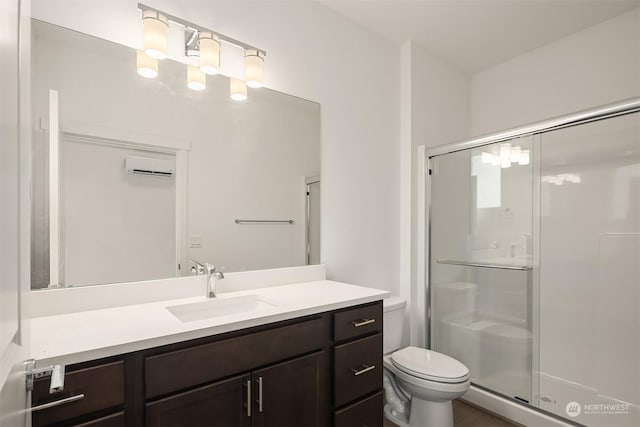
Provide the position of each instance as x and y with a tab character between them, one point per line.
596	66
110	214
9	183
15	206
435	110
315	54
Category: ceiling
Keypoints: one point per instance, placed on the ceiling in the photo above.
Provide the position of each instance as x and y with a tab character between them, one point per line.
476	34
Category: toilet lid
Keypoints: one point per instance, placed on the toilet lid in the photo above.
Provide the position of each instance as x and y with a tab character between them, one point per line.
430	365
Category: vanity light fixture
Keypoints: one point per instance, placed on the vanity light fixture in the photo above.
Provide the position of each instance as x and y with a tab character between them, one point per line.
524	158
238	89
202	51
147	66
196	80
155	34
209	45
253	64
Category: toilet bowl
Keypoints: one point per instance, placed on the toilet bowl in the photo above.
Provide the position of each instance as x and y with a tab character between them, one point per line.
419	384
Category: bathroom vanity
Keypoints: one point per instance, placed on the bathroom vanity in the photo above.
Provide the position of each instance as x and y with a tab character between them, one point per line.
312	366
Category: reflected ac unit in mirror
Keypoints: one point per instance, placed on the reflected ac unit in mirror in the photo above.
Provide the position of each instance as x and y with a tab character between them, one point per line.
149	166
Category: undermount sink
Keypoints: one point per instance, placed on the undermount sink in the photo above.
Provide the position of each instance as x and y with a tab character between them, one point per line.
218	307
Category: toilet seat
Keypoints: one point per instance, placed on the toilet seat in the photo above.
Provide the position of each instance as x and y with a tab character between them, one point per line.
429	365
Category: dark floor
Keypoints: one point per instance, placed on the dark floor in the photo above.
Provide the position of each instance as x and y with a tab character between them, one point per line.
469	416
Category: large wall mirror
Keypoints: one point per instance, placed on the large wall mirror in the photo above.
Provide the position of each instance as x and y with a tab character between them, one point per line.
133	177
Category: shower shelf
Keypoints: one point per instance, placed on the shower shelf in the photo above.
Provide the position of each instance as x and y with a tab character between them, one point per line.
481	265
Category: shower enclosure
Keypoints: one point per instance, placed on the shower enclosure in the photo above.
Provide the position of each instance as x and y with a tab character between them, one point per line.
534	263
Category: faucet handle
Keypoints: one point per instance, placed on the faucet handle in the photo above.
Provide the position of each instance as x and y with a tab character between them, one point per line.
197	268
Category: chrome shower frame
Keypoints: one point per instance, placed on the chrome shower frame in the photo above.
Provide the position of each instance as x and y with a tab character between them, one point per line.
628	106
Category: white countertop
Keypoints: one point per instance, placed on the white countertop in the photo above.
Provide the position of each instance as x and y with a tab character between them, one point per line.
87	335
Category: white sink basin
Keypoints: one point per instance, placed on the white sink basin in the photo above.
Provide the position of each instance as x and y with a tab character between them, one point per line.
217	307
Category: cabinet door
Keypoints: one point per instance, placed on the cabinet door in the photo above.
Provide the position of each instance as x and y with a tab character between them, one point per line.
290	393
222	404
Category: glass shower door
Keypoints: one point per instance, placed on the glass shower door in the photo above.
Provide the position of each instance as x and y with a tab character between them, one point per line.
590	272
480	263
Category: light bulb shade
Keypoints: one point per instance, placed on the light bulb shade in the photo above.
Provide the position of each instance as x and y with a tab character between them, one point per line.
155	34
253	64
524	157
147	66
238	89
505	152
486	157
515	154
196	80
209	52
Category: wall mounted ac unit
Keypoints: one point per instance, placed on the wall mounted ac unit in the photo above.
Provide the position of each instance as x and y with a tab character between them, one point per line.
149	166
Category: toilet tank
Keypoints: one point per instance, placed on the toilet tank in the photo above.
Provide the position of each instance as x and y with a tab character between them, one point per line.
393	322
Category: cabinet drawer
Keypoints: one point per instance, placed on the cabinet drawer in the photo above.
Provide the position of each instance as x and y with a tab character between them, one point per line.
178	370
357	322
102	387
113	420
357	369
367	412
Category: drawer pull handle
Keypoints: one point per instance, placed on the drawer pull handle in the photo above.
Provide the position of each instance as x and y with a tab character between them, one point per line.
362	322
58	403
259	394
364	369
248	398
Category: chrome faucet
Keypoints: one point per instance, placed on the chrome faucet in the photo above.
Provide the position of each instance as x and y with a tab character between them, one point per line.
213	275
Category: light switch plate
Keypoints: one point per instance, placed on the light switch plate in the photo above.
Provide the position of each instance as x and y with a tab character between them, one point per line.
195	242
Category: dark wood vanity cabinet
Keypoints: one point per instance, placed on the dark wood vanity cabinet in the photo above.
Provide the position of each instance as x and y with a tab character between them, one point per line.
357	368
216	405
317	370
290	393
93	395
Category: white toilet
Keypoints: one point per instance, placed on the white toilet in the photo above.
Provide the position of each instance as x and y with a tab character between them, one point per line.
419	384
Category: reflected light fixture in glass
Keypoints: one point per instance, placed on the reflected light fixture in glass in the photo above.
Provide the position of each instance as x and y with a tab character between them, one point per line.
238	89
147	66
155	34
196	80
505	152
516	151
